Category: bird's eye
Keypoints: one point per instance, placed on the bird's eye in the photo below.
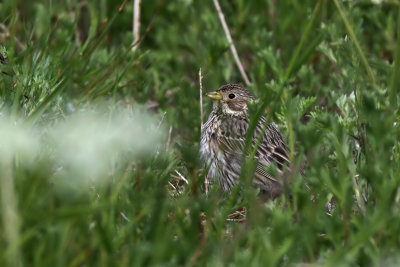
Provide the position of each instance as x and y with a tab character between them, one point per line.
231	96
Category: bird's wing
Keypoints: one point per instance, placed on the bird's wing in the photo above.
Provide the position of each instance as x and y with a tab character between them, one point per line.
271	152
271	148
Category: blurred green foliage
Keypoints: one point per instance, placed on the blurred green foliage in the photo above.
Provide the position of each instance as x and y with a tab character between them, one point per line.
338	111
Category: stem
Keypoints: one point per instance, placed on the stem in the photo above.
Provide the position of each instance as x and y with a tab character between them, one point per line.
201	98
11	222
136	24
304	36
291	141
396	68
354	39
230	41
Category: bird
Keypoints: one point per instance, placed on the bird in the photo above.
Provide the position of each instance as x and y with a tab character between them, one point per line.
222	143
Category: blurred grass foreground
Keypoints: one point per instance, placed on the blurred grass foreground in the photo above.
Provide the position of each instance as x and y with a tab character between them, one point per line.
100	126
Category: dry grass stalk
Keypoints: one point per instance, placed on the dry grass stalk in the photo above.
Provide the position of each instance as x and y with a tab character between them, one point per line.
136	24
230	41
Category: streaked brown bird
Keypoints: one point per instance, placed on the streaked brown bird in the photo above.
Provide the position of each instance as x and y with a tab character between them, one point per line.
223	142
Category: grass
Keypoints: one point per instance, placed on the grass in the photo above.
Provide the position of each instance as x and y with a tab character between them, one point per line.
96	137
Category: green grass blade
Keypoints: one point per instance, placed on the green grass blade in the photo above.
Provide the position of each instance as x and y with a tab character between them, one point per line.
304	37
355	41
55	91
394	87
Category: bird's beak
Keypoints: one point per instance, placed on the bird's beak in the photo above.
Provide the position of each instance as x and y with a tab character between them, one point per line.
214	95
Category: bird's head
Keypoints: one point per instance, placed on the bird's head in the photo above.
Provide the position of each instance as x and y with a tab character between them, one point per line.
231	99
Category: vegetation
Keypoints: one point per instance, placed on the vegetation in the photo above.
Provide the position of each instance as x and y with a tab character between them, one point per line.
97	139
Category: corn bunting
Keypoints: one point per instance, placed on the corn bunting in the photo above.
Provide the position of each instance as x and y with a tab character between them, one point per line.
223	141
